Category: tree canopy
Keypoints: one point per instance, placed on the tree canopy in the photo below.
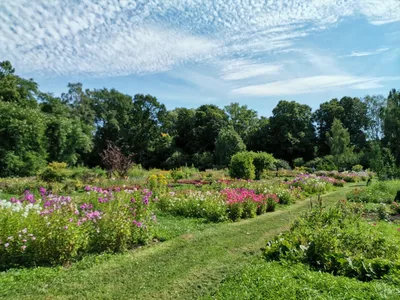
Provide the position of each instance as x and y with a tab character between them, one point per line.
37	128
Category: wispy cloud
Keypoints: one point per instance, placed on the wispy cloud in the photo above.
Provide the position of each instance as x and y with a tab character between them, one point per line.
120	37
243	69
367	53
312	84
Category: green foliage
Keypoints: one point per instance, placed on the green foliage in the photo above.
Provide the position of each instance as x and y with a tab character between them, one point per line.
22	140
281	164
339	143
272	280
243	120
176	160
298	162
203	160
339	242
55	172
60	229
378	192
262	161
291	132
351	112
177	174
357	168
391	124
242	166
227	144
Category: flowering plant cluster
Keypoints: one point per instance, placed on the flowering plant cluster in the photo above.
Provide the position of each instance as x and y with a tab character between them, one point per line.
347	176
54	229
245	203
217	206
312	184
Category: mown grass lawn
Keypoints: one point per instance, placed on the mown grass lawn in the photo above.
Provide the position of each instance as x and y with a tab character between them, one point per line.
188	266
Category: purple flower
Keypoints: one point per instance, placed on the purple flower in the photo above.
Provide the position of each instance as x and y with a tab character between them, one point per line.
138	224
29	197
42	191
86	206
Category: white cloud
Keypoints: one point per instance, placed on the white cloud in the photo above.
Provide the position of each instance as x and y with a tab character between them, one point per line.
312	84
119	37
367	53
242	69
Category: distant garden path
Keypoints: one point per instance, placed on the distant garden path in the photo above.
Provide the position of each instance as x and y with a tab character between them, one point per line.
186	267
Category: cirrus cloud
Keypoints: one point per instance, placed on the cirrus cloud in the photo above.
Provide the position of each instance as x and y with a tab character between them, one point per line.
120	37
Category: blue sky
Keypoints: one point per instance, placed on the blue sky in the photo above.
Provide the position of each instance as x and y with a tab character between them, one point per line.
192	52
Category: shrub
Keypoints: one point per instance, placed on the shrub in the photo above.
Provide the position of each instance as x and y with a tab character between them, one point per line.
177	174
338	241
55	172
357	168
227	144
116	161
262	161
281	164
242	166
379	192
298	162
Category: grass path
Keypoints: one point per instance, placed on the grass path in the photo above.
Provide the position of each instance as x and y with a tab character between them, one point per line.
186	267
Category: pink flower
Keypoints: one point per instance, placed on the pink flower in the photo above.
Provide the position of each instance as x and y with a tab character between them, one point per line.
65	227
23	248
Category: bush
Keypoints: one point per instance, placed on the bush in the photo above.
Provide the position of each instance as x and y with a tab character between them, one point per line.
262	161
177	174
357	168
55	172
281	164
272	280
338	241
242	166
298	162
379	192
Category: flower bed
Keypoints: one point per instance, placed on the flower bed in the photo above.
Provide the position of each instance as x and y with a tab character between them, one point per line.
57	229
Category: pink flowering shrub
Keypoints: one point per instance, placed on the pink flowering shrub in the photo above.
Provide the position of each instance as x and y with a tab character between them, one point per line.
57	229
245	203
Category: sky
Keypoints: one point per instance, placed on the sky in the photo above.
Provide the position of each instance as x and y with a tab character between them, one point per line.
193	52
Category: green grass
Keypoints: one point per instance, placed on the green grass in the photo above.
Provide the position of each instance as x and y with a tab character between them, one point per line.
271	280
186	267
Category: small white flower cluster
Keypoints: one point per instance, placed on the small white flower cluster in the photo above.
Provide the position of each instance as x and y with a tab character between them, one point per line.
19	207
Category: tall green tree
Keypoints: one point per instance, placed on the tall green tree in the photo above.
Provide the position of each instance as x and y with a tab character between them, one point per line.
209	120
228	143
339	143
243	119
352	112
391	124
66	138
16	89
22	140
291	132
375	106
323	117
144	131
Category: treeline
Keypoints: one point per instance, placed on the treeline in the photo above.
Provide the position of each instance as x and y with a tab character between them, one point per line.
37	128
